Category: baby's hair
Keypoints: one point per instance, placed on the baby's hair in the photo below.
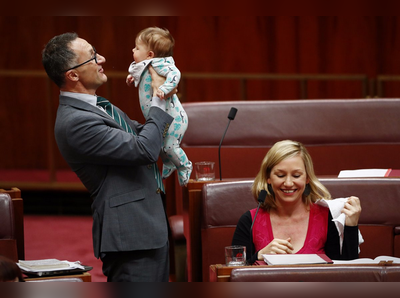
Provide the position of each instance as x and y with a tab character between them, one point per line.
160	41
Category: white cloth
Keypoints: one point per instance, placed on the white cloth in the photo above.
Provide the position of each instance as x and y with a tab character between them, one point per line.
136	69
336	206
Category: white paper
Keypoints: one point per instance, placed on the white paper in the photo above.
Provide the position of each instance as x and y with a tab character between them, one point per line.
363	173
292	259
51	264
369	261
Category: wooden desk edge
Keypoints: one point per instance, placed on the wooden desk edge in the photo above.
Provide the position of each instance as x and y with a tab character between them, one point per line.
85	276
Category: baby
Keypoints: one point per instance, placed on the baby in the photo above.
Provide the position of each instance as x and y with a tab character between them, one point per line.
154	46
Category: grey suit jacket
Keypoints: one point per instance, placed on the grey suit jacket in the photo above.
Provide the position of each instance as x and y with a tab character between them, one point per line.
115	167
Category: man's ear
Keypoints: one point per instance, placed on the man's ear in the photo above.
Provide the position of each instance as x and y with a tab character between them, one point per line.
150	54
72	75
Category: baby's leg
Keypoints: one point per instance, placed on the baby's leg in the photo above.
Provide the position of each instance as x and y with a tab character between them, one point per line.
176	159
168	166
173	154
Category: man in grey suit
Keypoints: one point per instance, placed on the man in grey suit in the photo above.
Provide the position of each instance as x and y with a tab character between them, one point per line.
115	160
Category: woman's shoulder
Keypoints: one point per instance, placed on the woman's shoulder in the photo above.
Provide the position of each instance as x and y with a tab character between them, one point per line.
247	214
246	217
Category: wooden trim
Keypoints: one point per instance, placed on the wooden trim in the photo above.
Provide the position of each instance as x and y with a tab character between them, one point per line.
39	186
86	277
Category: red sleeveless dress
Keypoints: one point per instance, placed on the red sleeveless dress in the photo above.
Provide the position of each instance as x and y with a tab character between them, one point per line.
316	233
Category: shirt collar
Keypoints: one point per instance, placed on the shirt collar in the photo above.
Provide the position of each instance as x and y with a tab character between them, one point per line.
90	99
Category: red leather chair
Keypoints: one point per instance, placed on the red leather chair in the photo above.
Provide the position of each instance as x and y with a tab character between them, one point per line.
8	242
178	248
224	203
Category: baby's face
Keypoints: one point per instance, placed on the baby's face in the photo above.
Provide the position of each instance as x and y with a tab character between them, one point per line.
141	51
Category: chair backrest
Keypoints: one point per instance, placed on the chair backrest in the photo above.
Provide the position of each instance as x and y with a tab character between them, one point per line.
18	206
8	244
339	134
224	203
222	207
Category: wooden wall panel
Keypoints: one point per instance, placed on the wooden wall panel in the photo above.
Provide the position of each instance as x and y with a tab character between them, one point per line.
23	124
251	45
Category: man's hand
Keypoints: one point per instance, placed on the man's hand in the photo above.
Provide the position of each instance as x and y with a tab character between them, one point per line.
157	81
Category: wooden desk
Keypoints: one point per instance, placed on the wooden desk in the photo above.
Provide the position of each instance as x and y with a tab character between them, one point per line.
221	273
86	277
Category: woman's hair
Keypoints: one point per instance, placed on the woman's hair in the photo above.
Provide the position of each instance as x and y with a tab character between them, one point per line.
57	57
279	152
160	41
9	270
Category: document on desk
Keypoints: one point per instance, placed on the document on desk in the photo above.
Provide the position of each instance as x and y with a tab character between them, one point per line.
296	259
384	260
47	265
364	173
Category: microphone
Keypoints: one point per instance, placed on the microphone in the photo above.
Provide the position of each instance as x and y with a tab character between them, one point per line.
231	116
232	113
261	198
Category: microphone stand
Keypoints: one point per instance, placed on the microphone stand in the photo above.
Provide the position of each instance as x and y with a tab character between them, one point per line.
261	198
231	116
219	151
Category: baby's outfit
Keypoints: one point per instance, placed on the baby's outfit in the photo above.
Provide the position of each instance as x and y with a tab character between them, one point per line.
172	155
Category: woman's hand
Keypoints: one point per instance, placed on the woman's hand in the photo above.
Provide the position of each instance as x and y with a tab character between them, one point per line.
276	246
352	209
157	81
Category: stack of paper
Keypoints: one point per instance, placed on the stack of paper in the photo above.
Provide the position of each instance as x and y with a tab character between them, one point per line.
384	260
293	259
369	173
47	265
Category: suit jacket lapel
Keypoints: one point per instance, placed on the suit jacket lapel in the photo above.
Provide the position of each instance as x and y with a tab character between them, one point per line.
81	105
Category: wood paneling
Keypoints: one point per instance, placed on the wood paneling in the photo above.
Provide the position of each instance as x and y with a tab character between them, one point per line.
251	45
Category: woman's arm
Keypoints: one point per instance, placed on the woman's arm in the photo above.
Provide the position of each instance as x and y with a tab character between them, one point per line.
350	242
242	236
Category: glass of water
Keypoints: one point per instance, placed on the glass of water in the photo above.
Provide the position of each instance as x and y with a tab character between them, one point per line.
235	255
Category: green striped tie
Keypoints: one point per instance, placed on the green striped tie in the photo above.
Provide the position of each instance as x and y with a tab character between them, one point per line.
109	108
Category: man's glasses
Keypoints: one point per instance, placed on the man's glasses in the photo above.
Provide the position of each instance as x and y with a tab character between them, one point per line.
94	58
